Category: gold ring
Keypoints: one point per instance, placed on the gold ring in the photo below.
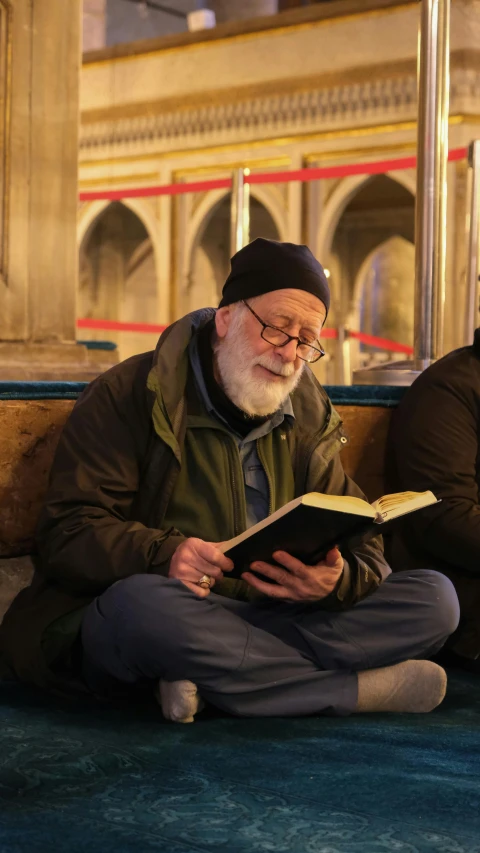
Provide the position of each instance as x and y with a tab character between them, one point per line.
205	582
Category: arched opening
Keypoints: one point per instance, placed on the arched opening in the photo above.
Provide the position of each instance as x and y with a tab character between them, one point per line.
373	264
385	288
210	259
118	278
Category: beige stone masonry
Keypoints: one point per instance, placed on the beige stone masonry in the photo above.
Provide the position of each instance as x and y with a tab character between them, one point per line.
39	82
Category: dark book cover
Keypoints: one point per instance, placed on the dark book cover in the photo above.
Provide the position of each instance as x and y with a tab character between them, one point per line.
306	532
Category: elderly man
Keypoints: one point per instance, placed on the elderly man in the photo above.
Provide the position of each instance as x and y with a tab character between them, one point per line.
169	454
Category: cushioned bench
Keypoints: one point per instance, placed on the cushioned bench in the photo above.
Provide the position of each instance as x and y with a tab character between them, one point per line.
32	415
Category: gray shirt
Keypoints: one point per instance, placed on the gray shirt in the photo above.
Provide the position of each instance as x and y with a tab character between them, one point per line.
255	480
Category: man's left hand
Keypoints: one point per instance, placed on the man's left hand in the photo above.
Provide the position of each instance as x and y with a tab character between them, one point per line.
294	581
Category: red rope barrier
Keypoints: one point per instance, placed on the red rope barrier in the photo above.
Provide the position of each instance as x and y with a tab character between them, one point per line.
115	326
165	189
380	343
378	167
154	328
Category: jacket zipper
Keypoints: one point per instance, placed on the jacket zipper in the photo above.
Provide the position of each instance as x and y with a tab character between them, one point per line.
239	523
267	474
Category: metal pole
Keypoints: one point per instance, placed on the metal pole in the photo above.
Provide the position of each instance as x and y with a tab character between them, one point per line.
239	211
473	262
432	157
431	199
344	372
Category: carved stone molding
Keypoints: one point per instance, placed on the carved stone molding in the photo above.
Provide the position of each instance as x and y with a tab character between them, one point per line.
366	102
6	13
272	115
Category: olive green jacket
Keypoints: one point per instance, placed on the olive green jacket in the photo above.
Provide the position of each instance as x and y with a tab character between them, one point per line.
114	474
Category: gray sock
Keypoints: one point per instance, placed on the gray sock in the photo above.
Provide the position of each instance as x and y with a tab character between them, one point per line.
180	700
411	687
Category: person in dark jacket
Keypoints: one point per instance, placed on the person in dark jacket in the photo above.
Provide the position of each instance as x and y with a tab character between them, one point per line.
167	455
435	445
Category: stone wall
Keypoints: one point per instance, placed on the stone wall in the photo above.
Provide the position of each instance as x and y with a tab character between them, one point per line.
39	86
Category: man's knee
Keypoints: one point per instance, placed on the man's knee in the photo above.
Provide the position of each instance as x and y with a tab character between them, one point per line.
143	607
150	601
141	625
444	598
168	628
141	589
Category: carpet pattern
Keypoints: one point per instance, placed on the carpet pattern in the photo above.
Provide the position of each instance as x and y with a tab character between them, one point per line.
102	778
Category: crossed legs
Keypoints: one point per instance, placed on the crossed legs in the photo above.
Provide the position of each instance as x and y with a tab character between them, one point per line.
262	659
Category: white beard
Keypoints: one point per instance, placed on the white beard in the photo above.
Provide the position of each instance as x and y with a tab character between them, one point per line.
235	365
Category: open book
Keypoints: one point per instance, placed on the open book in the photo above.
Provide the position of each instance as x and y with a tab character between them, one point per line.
310	525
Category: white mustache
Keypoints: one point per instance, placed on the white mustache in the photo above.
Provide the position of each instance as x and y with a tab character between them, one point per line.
280	369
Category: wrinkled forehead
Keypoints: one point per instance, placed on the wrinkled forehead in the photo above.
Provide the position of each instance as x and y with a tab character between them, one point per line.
299	306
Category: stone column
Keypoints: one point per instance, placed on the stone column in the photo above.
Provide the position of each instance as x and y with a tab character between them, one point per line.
39	90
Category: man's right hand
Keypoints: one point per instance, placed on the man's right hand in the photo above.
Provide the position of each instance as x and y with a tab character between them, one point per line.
195	558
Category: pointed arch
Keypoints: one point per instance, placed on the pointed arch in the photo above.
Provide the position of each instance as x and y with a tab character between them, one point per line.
90	211
394	255
207	252
341	197
207	206
119	270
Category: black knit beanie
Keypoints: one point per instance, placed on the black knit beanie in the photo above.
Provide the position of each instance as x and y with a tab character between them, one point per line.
265	265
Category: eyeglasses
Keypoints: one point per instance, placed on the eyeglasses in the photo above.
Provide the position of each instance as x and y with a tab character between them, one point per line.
278	338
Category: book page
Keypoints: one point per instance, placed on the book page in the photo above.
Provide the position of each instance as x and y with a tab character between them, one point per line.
339	503
393	506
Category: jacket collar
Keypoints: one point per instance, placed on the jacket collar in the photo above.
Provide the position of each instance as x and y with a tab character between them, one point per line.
312	407
168	376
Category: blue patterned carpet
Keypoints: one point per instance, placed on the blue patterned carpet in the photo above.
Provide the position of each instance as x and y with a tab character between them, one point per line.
90	778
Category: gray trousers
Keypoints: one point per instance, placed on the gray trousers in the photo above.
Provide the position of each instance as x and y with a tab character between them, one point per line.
261	659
